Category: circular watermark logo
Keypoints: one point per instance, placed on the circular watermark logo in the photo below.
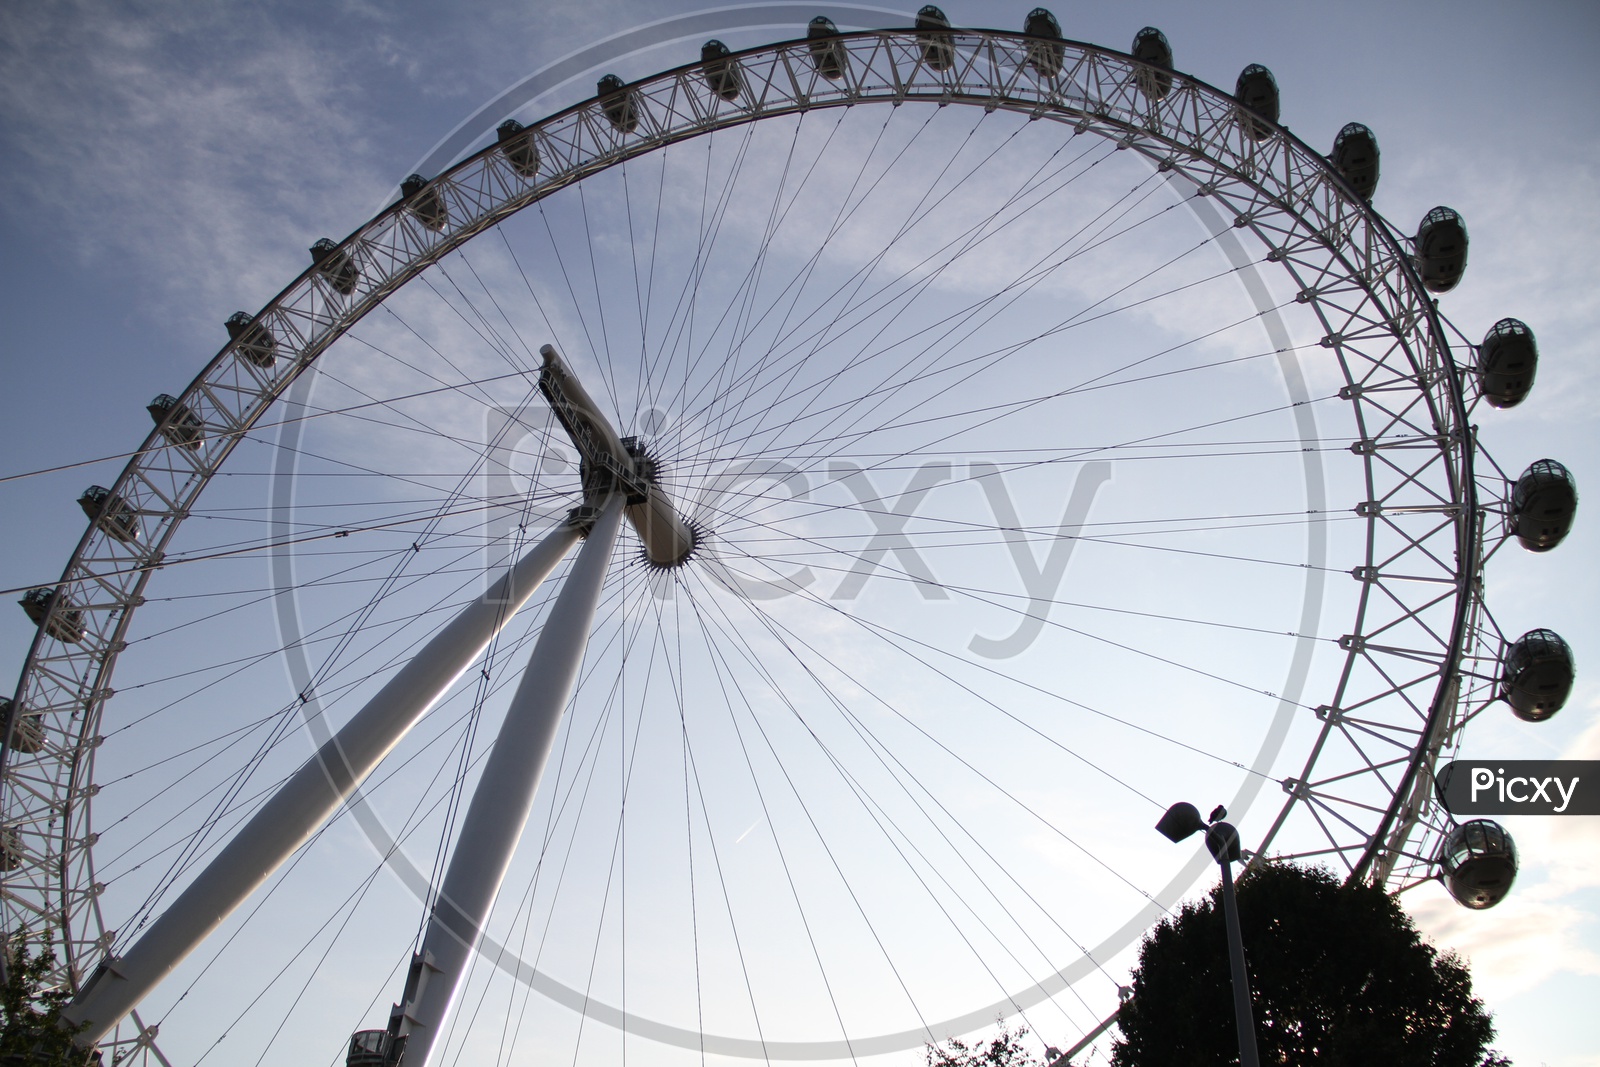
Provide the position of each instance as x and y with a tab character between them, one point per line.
524	446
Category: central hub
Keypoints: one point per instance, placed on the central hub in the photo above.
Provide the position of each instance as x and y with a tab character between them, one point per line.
611	464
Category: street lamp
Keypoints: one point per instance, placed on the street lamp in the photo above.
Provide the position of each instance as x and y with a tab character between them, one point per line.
1183	820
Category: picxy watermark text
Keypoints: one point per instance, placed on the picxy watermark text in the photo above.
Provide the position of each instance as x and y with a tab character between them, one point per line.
1520	787
527	455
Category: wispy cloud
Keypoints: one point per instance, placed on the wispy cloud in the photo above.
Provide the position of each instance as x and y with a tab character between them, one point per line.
1547	926
204	144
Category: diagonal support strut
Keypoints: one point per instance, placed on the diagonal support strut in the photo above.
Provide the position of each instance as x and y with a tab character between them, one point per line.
503	799
310	796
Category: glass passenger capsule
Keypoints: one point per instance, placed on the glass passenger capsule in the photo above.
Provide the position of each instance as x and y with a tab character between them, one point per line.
1150	47
27	733
425	202
1479	863
1257	94
1441	249
254	343
1047	53
828	55
375	1048
335	266
722	73
1543	505
1507	361
621	106
1355	157
938	48
111	513
1536	675
178	424
66	625
516	145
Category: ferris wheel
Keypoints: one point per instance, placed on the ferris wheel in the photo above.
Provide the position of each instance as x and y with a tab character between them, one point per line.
753	553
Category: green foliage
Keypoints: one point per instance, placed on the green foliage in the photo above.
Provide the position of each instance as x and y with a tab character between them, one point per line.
33	1032
1338	975
1003	1050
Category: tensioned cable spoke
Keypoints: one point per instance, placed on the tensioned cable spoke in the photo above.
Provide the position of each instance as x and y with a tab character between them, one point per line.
731	635
978	235
833	860
881	817
894	636
724	385
681	323
961	241
743	294
792	639
807	347
720	671
412	823
193	847
614	706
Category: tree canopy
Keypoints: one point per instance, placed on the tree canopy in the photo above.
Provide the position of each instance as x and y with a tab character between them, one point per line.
32	1031
1338	975
1005	1049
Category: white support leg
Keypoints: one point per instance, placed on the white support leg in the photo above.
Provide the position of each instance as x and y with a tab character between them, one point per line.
504	798
310	797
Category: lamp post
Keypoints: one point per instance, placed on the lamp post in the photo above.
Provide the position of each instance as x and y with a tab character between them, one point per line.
1183	820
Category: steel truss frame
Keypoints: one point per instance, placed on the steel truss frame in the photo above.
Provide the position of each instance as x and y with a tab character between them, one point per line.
1418	654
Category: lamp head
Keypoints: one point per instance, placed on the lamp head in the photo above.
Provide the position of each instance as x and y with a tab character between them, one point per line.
1223	841
1181	821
